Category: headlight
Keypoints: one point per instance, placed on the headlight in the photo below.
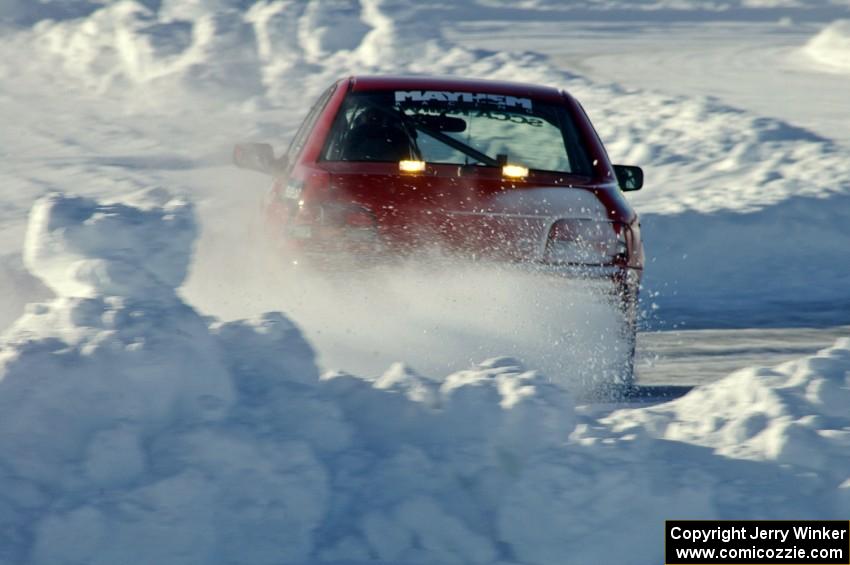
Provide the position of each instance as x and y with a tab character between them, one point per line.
587	242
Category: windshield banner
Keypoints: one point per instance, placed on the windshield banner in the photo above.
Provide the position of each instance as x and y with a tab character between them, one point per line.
444	96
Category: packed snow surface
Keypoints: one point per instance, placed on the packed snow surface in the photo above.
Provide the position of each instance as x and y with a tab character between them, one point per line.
155	405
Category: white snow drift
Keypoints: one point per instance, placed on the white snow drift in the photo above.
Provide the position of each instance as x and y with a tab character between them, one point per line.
795	413
831	47
81	248
133	431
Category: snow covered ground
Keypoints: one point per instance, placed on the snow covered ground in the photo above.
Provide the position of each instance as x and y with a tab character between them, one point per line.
135	427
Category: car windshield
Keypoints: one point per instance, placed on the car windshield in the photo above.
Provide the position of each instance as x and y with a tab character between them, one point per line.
458	128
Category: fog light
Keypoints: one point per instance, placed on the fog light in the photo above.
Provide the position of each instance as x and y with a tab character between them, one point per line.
515	171
410	166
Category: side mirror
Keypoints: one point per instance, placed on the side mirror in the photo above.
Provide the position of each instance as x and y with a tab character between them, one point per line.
258	157
629	177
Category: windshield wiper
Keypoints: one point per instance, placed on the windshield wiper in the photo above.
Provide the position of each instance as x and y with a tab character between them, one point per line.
439	136
458	145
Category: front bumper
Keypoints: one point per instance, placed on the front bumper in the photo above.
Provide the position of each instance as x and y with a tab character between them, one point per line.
617	278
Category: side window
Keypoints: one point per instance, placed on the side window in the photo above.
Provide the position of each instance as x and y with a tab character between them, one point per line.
303	132
341	126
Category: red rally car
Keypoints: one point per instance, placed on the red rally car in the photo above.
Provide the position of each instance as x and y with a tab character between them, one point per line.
385	167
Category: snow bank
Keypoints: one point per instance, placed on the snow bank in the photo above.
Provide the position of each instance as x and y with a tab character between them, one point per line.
126	44
233	50
116	349
19	288
137	249
135	431
794	414
831	46
772	266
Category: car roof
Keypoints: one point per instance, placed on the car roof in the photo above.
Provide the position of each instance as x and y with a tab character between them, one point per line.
453	84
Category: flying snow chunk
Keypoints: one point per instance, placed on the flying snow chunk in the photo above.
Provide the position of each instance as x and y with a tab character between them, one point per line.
139	248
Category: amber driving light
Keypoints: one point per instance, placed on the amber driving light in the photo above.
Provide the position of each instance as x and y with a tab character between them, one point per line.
409	166
515	171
